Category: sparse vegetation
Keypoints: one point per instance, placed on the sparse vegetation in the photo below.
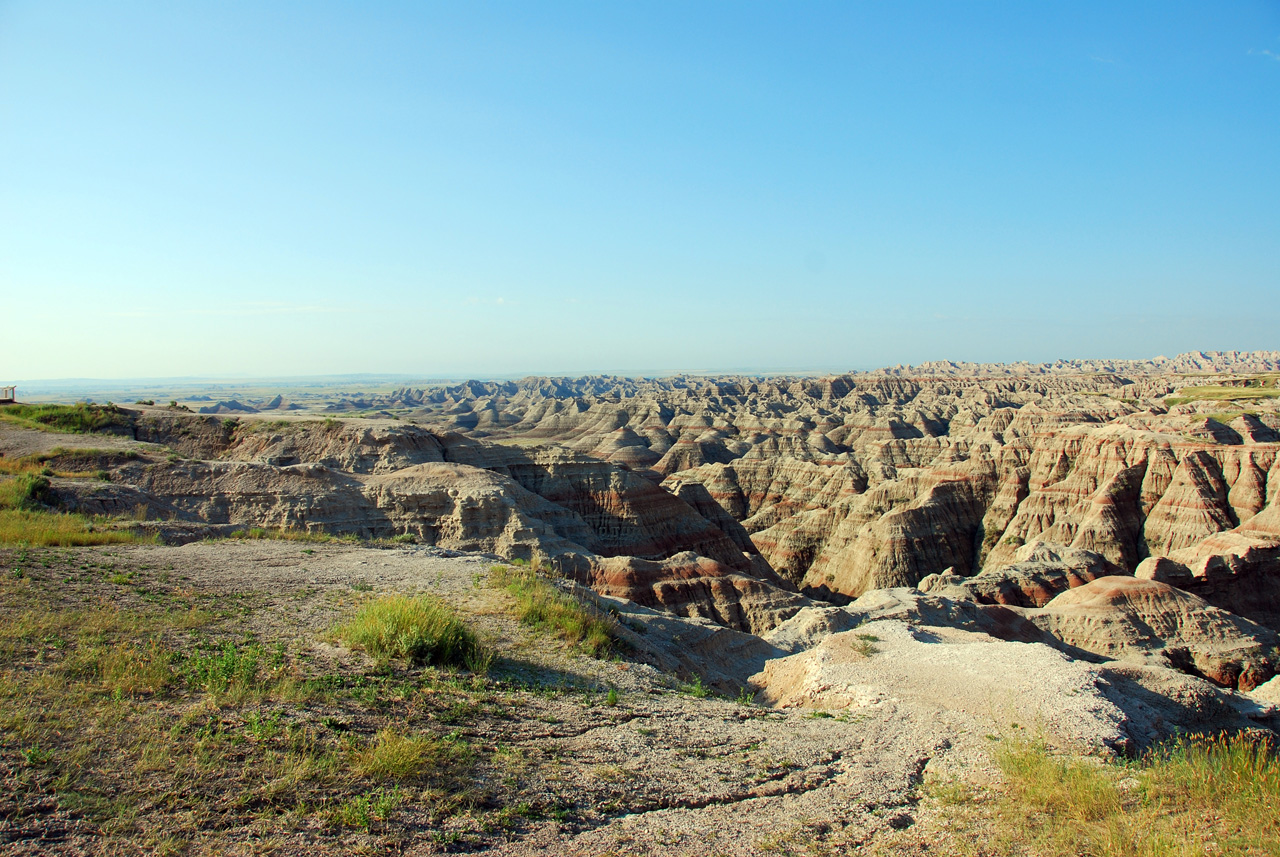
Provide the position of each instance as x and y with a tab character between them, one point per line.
865	644
280	534
1197	796
136	721
1263	389
71	463
419	630
82	418
542	605
24	519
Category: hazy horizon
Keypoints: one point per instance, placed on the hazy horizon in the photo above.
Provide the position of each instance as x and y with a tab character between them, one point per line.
376	379
465	190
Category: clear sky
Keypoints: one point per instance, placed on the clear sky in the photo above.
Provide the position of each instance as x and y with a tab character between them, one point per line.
493	188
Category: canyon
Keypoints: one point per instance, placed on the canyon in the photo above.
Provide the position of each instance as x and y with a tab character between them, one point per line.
919	557
746	501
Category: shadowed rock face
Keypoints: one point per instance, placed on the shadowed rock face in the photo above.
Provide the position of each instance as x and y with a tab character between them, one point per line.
696	587
1041	572
1125	617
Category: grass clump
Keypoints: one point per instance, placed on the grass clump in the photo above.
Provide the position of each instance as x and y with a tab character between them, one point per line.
280	534
1193	797
78	419
25	520
543	606
394	756
417	629
24	492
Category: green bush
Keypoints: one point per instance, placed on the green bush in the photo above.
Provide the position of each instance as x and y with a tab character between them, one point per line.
229	668
419	629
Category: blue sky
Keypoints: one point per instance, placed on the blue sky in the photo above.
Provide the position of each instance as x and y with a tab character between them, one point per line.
492	188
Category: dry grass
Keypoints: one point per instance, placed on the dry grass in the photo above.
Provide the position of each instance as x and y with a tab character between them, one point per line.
24	520
281	534
542	605
1221	394
1196	797
44	529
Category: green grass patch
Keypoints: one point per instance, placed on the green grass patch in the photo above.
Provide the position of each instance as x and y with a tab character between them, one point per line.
78	419
541	605
395	756
24	492
417	629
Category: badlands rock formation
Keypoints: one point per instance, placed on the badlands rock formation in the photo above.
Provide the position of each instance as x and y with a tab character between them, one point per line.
1012	495
856	482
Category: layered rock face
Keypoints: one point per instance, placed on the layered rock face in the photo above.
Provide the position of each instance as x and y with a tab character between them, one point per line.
1114	517
1041	572
596	522
1124	618
835	486
857	482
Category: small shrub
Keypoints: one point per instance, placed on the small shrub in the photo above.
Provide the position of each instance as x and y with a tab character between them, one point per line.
865	645
361	811
420	630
